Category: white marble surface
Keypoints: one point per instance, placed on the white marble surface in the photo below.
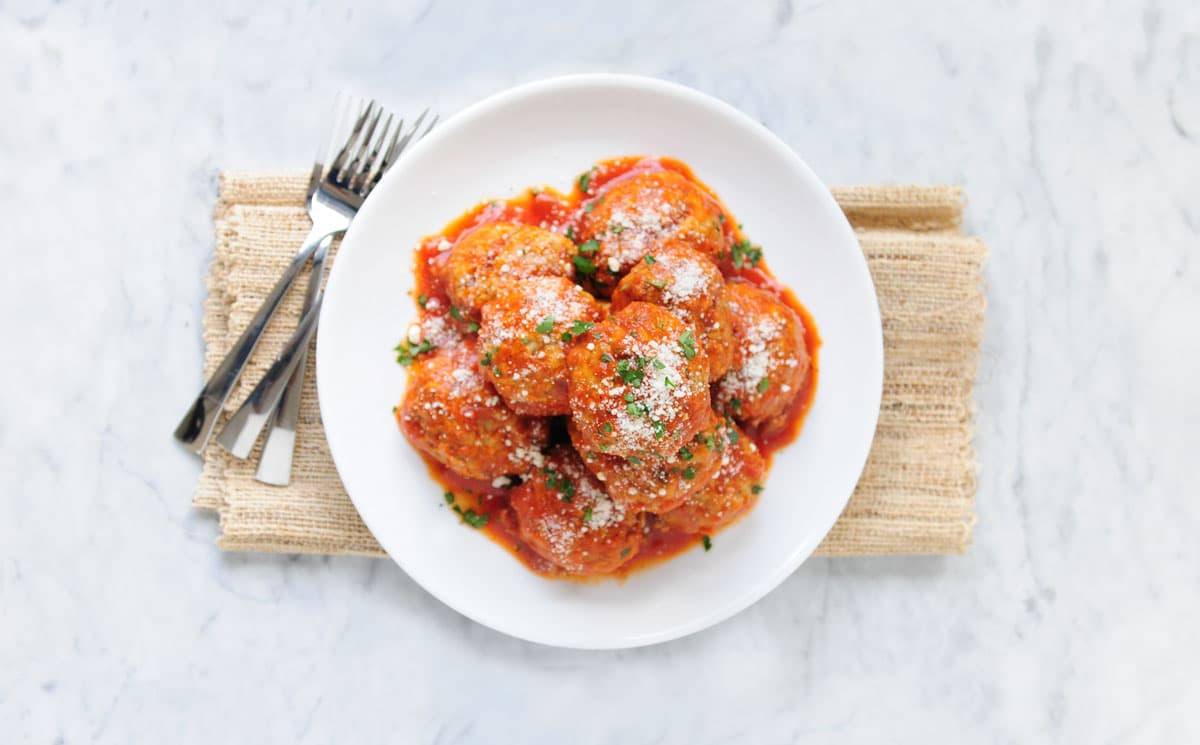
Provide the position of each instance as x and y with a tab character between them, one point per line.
1075	128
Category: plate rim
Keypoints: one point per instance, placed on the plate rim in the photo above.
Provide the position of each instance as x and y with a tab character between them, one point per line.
803	549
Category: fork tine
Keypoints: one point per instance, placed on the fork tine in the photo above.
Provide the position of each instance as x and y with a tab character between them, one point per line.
366	170
339	162
399	148
364	144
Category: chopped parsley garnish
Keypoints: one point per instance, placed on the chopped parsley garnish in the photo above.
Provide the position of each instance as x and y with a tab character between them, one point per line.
634	460
587	514
659	283
756	489
687	342
583	264
615	228
689	473
456	314
585	181
589	247
607	427
486	359
735	404
632	373
721	217
668	382
763	385
546	326
571	233
406	353
449	497
649	258
709	442
421	300
592	204
625	552
637	408
685	454
707	542
581	327
733	435
472	328
496	371
566	337
658	364
745	253
560	484
606	357
628	396
660	430
474	519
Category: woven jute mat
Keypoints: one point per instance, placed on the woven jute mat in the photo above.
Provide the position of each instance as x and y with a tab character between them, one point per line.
916	495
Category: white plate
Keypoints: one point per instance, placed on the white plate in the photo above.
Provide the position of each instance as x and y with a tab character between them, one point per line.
547	133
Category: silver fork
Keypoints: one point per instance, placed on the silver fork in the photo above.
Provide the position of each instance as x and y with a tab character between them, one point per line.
334	197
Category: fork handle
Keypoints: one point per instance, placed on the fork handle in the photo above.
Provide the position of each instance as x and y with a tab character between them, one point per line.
275	463
197	424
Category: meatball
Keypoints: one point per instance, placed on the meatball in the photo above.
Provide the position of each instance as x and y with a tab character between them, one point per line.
639	386
660	483
641	212
492	257
524	335
730	493
565	516
770	360
453	414
689	285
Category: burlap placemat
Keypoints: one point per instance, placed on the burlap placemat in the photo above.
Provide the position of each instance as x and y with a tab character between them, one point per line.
916	495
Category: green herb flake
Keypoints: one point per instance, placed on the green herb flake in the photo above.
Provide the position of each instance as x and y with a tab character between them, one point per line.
421	300
687	342
474	519
584	265
763	385
486	359
615	228
587	514
658	365
756	489
636	409
685	454
631	373
659	283
449	497
606	358
571	233
745	253
707	542
689	473
625	552
406	353
660	430
649	258
546	326
668	382
566	337
735	404
634	460
581	327
455	313
585	181
589	247
721	217
607	428
472	328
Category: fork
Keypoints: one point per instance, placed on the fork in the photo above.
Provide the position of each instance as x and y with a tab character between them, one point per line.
334	197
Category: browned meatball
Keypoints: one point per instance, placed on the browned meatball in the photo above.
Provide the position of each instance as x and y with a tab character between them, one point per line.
524	335
453	414
494	256
689	285
732	492
639	385
565	516
770	360
641	212
660	483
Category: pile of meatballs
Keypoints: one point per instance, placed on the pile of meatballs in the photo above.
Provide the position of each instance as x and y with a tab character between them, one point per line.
600	372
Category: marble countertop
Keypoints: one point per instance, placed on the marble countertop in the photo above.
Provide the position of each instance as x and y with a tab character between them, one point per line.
1074	616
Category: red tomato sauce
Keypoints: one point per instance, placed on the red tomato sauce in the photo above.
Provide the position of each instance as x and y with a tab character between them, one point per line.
551	209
